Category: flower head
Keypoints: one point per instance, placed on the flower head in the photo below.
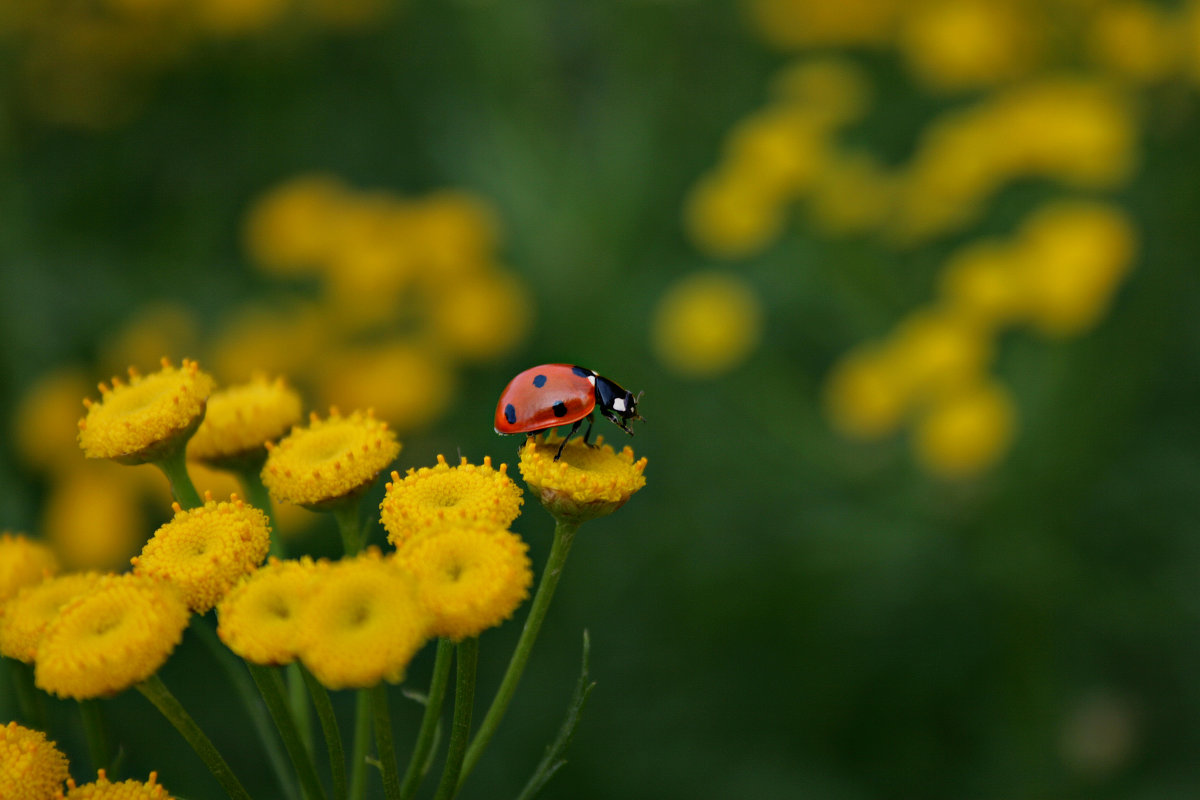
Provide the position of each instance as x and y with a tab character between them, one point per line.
469	579
23	561
586	482
104	789
966	431
148	417
241	419
23	619
364	624
434	496
31	768
205	550
707	323
330	460
110	638
93	516
261	618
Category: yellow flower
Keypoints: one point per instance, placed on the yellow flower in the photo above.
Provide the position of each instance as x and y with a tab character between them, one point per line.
364	624
981	281
107	640
962	44
727	216
469	579
155	330
23	561
31	768
778	151
280	341
707	323
936	348
833	90
803	23
1136	40
261	618
23	619
241	419
104	789
965	431
455	233
482	316
147	417
431	497
289	231
44	425
331	459
406	383
866	394
93	516
852	194
587	482
204	551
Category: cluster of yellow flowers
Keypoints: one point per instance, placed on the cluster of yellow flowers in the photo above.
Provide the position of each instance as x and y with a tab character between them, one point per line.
1047	91
88	63
33	768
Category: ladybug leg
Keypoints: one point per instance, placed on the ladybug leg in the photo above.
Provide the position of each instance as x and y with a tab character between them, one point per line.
588	433
574	429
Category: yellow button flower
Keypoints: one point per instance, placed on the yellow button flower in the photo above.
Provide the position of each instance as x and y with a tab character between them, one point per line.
261	618
31	768
435	496
44	427
586	482
364	624
93	515
290	230
966	431
23	561
408	384
146	418
106	640
23	619
707	323
481	317
204	551
104	789
330	460
728	216
241	419
866	393
469	579
961	44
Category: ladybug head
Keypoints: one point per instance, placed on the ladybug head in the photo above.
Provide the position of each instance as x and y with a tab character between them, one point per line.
617	404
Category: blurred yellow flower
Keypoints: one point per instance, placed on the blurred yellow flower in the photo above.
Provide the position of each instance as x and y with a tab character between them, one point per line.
31	767
329	460
852	194
706	324
93	516
104	789
937	348
777	152
729	216
110	638
238	17
981	280
962	44
205	551
280	341
966	431
144	419
241	419
364	624
432	497
289	231
791	24
261	619
586	482
23	619
481	317
831	91
406	383
155	330
1136	40
469	578
44	428
23	561
866	395
455	233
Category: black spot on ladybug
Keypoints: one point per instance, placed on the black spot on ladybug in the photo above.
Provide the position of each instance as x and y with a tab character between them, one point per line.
539	381
581	372
510	414
560	409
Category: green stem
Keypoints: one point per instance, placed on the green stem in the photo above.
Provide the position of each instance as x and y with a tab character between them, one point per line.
270	685
30	705
362	740
460	726
383	742
346	515
298	704
235	670
329	727
418	763
174	466
154	690
564	536
258	496
93	729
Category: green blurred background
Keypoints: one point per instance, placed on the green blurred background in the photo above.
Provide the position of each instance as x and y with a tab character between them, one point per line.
784	611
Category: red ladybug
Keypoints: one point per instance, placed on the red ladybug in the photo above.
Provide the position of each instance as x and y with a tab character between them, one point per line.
550	395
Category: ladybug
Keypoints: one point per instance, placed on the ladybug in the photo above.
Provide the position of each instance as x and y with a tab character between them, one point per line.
550	395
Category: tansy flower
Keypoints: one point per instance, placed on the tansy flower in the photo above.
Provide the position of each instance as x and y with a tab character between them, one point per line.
147	418
108	639
408	384
434	496
707	323
93	515
966	431
23	619
23	561
241	419
31	768
43	429
469	579
289	231
866	395
586	482
330	460
104	789
261	617
204	551
364	624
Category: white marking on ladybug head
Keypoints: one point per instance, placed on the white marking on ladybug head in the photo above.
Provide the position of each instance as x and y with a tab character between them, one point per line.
619	404
592	379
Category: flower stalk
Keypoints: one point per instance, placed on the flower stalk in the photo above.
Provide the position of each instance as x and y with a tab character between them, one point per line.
460	726
418	763
329	727
174	465
383	741
270	685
